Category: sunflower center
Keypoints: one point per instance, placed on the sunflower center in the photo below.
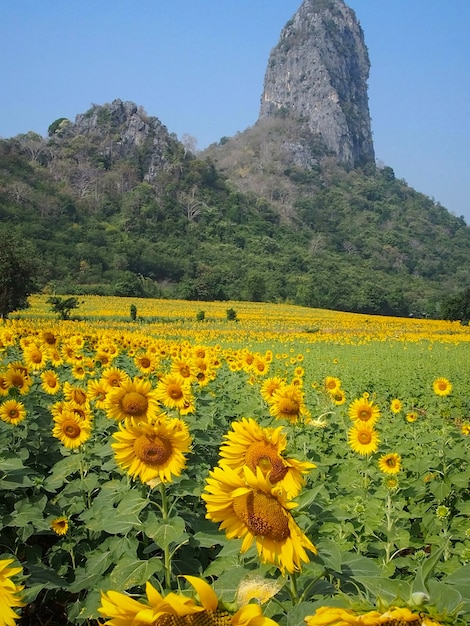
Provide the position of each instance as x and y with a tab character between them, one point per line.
263	515
174	391
71	429
204	618
79	396
266	457
145	361
391	462
17	380
36	356
49	338
13	413
288	406
134	403
184	371
443	386
364	437
153	451
364	415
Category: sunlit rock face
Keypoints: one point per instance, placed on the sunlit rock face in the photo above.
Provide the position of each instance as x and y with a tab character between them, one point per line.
318	73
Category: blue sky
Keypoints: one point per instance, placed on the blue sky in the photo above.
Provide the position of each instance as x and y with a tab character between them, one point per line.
198	65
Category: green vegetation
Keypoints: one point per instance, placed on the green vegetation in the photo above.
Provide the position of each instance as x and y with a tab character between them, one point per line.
18	271
240	221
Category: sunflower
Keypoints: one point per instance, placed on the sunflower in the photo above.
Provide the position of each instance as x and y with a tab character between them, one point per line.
288	403
97	392
250	444
173	393
75	394
260	366
338	397
248	506
9	593
114	377
183	370
134	398
363	439
412	416
396	405
17	376
390	463
442	387
150	450
60	525
34	357
71	430
4	386
361	410
332	383
50	382
337	616
145	362
269	386
12	412
175	609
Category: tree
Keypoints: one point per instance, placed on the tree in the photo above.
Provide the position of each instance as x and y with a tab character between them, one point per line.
18	273
457	307
63	306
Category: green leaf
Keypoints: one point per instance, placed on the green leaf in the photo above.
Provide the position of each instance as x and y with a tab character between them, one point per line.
166	534
330	554
424	571
226	585
132	572
360	566
444	597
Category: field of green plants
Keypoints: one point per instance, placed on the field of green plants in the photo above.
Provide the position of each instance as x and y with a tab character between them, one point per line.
282	465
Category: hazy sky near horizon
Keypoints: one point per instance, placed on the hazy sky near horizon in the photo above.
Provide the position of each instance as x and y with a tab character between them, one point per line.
199	65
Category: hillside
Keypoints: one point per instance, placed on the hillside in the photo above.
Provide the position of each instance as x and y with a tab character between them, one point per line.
293	209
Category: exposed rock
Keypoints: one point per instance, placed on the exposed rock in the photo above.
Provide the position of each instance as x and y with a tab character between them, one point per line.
318	73
127	132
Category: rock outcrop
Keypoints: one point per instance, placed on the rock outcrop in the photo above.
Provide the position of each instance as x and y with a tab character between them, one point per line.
318	73
123	130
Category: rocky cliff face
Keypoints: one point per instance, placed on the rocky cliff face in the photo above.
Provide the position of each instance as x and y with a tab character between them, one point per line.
122	130
318	73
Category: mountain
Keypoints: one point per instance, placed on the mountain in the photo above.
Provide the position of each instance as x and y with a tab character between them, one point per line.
318	72
292	209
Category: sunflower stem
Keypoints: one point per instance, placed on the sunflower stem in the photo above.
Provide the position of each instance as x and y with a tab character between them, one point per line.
293	588
166	549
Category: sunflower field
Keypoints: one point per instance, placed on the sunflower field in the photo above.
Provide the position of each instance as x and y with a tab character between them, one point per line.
174	463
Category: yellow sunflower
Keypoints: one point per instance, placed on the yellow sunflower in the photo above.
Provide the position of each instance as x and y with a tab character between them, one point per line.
250	444
442	386
395	405
4	385
390	463
75	394
288	403
269	386
176	609
412	416
17	376
150	450
12	412
71	430
363	439
134	398
332	383
9	593
338	396
114	377
50	382
184	370
361	410
248	506
97	392
336	616
173	393
34	357
60	525
146	362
